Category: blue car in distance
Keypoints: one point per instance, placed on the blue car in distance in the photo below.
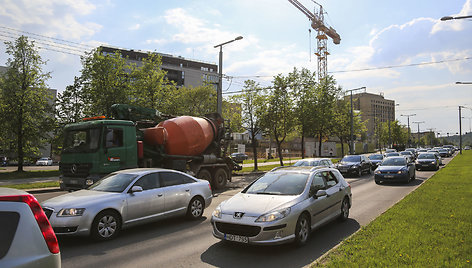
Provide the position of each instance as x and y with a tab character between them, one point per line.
395	168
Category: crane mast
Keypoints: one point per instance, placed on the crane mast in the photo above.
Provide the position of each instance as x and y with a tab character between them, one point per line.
323	32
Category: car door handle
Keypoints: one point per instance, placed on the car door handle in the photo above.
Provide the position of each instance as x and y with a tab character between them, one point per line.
159	195
187	190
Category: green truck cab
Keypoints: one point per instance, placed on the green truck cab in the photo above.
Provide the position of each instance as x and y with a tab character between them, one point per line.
95	148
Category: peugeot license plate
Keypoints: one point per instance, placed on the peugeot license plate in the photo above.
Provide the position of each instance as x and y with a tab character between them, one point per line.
389	176
236	238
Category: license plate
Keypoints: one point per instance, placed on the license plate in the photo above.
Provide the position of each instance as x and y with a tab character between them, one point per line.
389	176
73	181
236	238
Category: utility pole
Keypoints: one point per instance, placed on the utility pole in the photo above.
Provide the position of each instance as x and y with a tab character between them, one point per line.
418	130
460	130
351	147
408	116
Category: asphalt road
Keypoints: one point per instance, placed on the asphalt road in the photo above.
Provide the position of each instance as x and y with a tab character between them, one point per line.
182	243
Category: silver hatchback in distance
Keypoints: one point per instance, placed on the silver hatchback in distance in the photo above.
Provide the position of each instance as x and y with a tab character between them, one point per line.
282	206
125	198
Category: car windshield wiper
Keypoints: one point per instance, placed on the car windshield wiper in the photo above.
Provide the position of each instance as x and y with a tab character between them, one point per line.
269	193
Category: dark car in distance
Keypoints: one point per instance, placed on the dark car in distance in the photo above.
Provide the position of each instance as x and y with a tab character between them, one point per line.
239	157
427	161
376	159
395	168
354	164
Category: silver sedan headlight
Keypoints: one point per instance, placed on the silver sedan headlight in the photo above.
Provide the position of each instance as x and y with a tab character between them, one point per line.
273	216
68	212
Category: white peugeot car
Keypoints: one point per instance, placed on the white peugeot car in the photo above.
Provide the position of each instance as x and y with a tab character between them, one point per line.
284	205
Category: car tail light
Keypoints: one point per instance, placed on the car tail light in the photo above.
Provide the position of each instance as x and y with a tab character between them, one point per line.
209	186
40	217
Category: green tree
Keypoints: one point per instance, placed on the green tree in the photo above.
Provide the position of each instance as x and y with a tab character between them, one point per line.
150	87
303	83
105	82
251	101
342	123
195	101
327	94
277	116
27	110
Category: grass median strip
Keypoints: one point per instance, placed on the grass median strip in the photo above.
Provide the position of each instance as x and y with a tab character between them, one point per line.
28	174
431	227
34	185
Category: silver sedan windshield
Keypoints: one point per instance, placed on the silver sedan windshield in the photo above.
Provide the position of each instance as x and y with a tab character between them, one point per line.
278	183
113	183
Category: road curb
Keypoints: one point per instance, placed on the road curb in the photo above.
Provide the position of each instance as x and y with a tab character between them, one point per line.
43	190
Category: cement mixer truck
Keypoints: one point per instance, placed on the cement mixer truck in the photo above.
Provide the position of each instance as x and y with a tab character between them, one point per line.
141	137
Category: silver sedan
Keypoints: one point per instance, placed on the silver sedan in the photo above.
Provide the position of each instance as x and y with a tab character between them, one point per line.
284	205
126	198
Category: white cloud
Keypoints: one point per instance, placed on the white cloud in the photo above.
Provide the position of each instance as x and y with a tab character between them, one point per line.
135	27
57	18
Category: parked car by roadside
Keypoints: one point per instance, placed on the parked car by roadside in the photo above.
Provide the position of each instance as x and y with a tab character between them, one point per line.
376	159
354	164
27	239
3	161
395	168
239	157
314	162
44	161
283	206
427	161
125	198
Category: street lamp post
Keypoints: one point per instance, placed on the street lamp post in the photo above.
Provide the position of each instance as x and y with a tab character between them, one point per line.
408	116
219	92
351	147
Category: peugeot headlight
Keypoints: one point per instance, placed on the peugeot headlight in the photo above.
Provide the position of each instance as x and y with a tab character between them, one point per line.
67	212
274	215
434	162
377	171
217	212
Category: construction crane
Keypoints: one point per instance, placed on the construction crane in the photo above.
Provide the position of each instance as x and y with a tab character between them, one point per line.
317	23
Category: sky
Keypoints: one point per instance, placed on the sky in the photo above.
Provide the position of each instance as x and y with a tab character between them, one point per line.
400	49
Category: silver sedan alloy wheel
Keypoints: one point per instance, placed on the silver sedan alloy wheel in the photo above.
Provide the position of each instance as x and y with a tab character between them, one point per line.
107	226
196	208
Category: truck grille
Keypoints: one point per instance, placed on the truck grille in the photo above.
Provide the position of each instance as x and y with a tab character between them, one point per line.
237	229
75	170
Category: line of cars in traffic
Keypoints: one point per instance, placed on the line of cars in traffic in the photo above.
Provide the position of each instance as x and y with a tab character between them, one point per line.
284	205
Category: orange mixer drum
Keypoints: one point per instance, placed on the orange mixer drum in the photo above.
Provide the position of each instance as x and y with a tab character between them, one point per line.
184	135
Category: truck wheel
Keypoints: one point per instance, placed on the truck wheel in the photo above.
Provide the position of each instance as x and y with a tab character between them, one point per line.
204	174
220	178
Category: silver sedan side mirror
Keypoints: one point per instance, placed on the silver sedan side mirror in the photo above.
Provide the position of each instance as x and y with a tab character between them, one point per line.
135	189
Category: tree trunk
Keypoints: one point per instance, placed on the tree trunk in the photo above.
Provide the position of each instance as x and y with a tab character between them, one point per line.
319	148
342	146
303	146
254	149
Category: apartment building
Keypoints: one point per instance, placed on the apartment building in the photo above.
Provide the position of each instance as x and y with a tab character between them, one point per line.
184	72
